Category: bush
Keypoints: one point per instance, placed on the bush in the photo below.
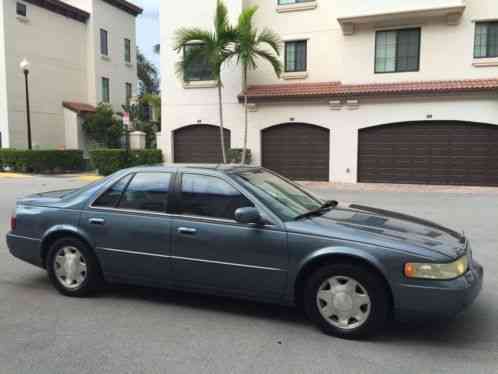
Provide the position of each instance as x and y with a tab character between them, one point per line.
42	161
103	128
234	156
108	161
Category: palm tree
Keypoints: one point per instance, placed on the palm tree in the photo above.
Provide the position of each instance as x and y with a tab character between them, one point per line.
213	47
253	45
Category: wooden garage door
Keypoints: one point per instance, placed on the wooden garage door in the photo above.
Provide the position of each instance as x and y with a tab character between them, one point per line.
298	151
439	152
199	144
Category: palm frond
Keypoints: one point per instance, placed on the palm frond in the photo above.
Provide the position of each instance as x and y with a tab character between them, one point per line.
272	59
184	36
271	38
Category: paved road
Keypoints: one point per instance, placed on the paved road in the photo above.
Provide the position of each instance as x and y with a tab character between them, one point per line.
135	330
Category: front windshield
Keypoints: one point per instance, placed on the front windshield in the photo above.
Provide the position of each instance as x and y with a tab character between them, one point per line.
285	199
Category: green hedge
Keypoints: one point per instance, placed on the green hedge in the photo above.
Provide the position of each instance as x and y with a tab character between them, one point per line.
41	161
234	156
108	161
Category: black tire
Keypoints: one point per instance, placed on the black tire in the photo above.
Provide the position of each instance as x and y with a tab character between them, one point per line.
93	278
374	285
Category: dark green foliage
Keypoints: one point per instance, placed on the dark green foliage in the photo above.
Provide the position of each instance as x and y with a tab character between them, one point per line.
42	161
234	156
103	128
108	161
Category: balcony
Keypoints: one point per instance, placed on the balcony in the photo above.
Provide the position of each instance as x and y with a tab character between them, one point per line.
389	12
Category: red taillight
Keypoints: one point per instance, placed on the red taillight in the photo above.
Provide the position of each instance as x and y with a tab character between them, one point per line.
13	222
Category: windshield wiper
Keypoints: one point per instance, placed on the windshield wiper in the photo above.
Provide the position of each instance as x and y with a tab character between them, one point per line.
326	206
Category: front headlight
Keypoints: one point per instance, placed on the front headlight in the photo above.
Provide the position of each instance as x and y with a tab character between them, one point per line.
437	271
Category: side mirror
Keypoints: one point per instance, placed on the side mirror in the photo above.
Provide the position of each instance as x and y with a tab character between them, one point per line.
248	215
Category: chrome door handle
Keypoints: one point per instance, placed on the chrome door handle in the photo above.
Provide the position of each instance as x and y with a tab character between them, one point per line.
96	221
187	231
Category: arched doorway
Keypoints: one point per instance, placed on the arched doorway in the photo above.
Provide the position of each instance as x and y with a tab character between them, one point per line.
298	151
199	144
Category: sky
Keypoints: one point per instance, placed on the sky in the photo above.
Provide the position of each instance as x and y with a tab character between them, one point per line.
148	33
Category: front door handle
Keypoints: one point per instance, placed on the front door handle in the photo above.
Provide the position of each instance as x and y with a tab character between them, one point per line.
96	221
187	231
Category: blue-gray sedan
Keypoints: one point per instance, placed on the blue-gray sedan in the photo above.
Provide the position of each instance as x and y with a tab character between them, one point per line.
247	232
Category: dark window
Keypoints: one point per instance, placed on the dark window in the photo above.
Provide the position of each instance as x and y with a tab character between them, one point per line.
128	92
205	196
296	56
110	198
486	40
148	192
287	2
397	51
198	68
104	42
21	9
127	50
106	96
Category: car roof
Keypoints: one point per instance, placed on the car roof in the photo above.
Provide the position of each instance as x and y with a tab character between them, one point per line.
222	168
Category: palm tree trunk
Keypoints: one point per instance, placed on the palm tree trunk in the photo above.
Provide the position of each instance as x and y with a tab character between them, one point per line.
246	117
222	130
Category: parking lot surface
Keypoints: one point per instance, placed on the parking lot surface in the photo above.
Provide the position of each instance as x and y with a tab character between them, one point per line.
137	330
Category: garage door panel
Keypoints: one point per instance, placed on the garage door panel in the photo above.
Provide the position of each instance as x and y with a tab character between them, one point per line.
430	152
298	151
199	144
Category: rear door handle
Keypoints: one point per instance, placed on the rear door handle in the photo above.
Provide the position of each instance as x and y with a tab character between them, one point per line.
96	221
187	231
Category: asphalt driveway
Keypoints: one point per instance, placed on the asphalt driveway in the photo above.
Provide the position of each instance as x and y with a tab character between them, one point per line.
136	330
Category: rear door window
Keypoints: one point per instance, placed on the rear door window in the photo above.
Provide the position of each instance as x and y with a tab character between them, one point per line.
147	192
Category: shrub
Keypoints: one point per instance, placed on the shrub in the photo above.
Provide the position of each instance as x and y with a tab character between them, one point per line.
42	161
108	161
234	156
103	128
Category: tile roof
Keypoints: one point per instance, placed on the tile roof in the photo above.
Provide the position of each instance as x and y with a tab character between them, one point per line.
62	8
126	6
79	108
338	90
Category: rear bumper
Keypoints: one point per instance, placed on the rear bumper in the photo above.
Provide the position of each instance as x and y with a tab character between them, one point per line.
26	249
444	300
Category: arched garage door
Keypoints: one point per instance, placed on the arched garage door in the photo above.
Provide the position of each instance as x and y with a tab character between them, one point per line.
438	152
297	150
199	144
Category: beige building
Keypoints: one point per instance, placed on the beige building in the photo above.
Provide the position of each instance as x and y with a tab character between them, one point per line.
373	91
81	53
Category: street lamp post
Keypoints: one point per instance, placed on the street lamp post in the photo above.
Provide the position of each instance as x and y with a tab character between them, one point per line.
24	65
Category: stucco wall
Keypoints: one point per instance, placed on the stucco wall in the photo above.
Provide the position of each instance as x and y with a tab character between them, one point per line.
446	51
56	47
201	103
119	25
3	85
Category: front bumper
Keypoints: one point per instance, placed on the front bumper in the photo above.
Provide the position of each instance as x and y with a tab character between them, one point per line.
26	249
439	299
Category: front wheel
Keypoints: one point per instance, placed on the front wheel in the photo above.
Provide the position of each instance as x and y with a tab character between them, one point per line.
73	268
347	300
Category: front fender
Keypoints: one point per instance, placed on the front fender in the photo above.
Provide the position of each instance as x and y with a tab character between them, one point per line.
352	252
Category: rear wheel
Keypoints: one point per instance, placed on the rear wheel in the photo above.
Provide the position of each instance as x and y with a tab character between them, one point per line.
73	268
347	300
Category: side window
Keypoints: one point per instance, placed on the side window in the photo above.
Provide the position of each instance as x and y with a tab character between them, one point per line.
110	198
21	9
211	197
148	192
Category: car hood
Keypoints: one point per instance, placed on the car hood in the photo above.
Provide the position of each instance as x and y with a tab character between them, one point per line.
385	228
